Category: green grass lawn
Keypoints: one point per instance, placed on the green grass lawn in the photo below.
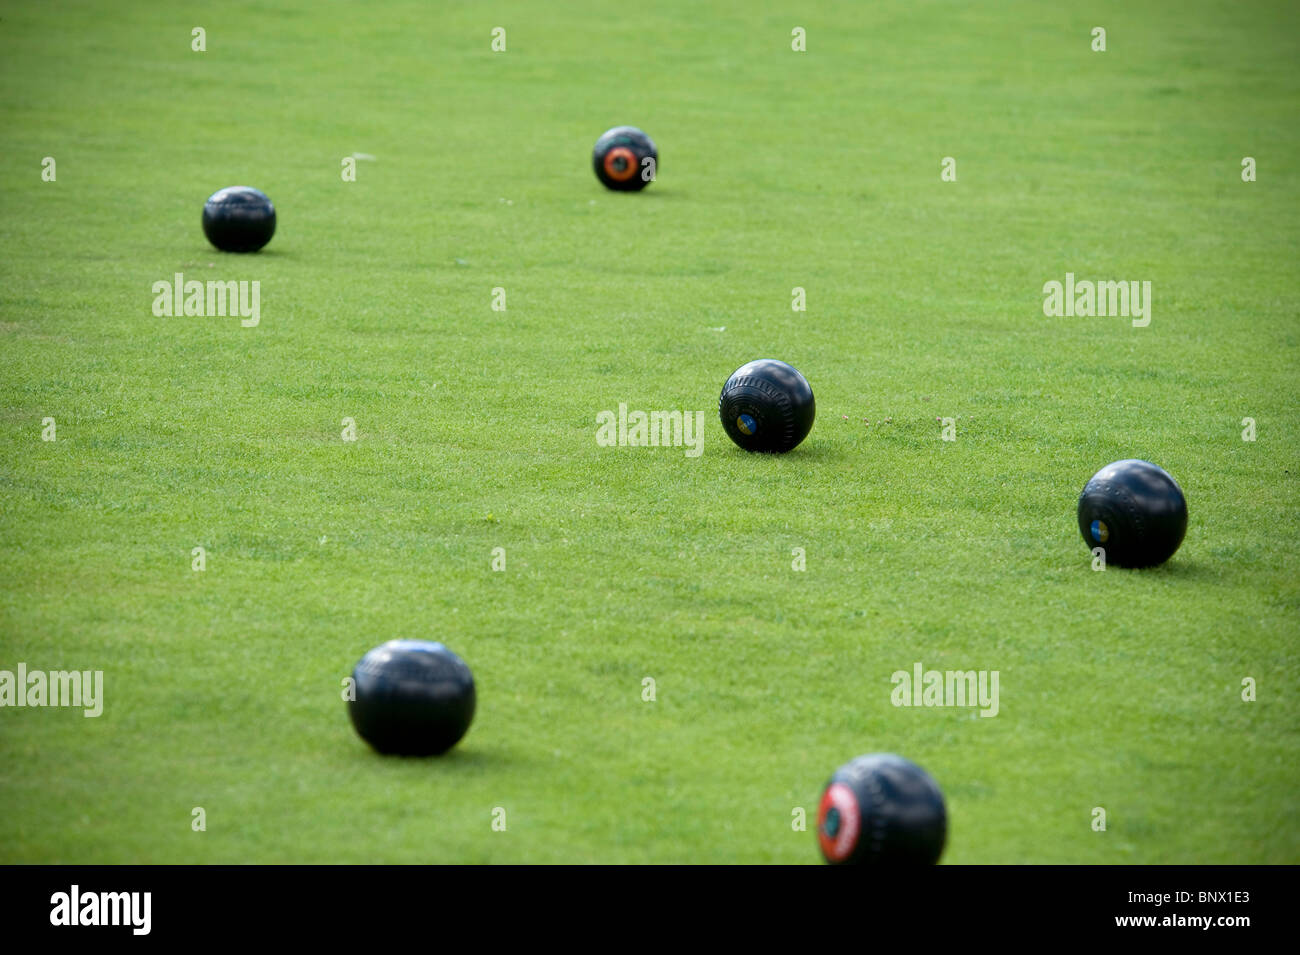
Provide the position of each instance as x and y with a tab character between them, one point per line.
476	428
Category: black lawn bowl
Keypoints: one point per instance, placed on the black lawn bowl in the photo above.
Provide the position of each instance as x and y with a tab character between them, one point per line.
620	159
767	406
238	219
412	698
881	810
1135	512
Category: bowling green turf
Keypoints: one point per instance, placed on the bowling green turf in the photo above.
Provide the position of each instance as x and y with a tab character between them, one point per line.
476	428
